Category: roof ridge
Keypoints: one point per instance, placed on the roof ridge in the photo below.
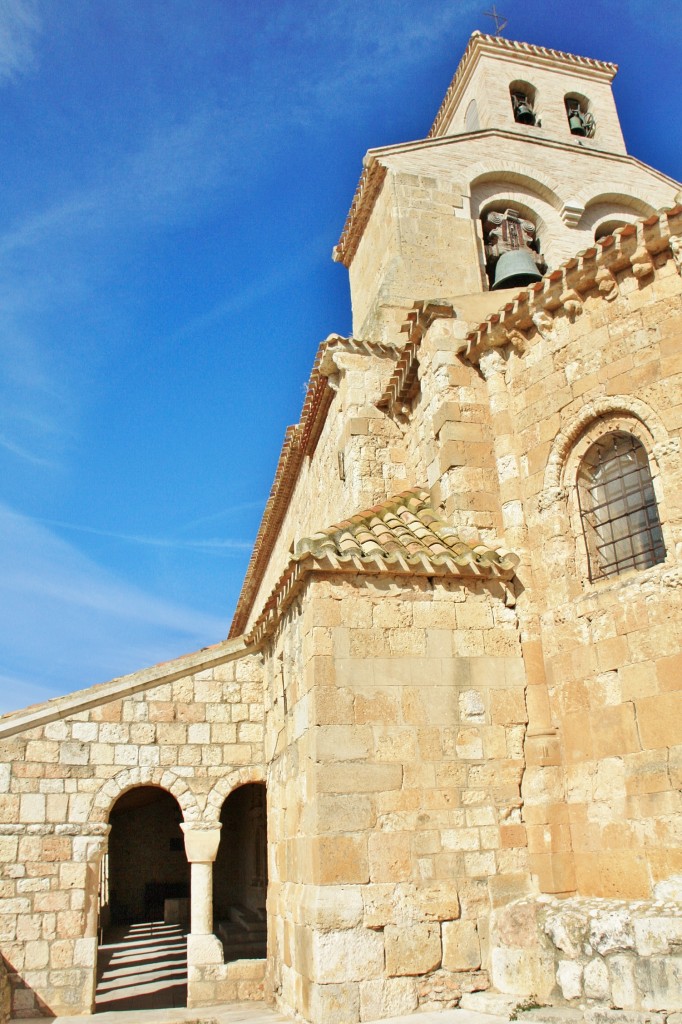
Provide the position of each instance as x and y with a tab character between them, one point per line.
299	440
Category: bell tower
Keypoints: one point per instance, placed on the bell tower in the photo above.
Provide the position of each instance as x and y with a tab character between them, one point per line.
524	166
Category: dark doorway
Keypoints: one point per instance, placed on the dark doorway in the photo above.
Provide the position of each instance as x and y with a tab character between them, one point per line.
240	875
144	905
147	862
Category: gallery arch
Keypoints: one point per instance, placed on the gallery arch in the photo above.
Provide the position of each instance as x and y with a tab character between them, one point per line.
146	863
240	875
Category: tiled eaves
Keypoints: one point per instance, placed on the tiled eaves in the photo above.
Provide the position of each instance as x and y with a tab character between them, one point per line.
299	441
639	247
479	42
402	536
398	392
366	195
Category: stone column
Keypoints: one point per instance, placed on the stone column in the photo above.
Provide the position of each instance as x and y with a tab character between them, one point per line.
201	847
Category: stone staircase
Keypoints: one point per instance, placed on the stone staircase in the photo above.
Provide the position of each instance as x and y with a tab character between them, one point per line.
243	934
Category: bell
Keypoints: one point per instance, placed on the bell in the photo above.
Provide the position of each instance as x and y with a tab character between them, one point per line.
576	123
515	269
524	113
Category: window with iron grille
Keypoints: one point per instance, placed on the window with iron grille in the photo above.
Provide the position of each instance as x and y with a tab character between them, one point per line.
618	507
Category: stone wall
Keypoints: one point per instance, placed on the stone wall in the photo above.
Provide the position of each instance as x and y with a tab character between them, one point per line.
591	952
395	726
198	736
356	463
608	805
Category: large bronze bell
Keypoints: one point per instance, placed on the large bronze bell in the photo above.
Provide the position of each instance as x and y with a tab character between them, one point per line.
516	269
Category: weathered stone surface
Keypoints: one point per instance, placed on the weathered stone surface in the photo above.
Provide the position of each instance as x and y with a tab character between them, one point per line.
412	949
354	954
461	946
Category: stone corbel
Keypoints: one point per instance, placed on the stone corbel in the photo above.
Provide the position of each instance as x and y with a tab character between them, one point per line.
607	284
675	242
642	264
492	363
543	322
572	303
572	212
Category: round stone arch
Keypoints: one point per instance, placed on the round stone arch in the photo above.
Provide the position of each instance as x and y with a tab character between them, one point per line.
601	417
512	174
227	785
651	431
635	203
131	778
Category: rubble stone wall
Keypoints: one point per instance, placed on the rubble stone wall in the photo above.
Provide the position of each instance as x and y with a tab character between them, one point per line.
591	952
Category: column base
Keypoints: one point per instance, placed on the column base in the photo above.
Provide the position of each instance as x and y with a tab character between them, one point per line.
204	949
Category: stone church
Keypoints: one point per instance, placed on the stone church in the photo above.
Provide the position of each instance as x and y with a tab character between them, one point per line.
438	759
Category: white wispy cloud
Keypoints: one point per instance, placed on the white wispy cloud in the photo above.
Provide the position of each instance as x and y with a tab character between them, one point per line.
68	622
212	544
19	30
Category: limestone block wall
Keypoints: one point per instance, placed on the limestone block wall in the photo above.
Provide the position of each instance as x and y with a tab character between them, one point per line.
197	736
609	805
593	953
413	248
448	437
395	723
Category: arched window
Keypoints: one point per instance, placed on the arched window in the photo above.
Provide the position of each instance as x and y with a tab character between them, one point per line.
523	103
618	507
580	118
512	249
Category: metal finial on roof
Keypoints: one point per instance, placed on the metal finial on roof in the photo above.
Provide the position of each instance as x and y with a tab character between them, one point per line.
499	19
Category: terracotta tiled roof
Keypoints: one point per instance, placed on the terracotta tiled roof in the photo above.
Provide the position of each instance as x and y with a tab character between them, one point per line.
299	440
401	536
640	247
366	195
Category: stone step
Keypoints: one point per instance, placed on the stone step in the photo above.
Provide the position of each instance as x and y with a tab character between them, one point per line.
549	1014
491	1002
247	918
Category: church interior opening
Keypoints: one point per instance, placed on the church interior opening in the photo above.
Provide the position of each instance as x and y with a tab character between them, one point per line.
146	862
240	877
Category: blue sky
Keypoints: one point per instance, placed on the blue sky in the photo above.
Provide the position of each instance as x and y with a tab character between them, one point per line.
174	176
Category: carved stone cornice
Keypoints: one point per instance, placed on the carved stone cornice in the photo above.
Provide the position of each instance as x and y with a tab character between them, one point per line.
639	247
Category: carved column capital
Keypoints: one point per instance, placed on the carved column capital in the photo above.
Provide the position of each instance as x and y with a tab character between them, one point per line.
201	841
